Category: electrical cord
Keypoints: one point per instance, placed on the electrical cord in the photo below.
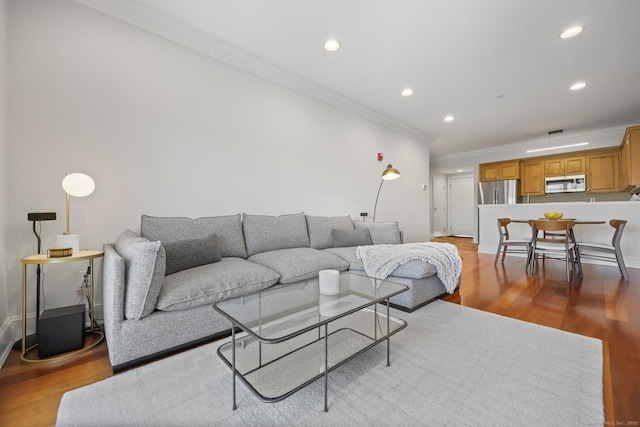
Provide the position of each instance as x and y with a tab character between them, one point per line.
42	292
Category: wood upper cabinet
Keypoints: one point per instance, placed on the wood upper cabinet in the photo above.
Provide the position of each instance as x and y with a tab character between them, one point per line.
532	178
500	170
563	166
630	159
603	172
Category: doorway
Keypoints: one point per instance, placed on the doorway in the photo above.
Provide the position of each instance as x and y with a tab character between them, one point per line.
461	205
439	205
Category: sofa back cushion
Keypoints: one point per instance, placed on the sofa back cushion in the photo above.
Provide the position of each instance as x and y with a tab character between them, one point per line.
382	233
264	233
144	272
320	228
228	229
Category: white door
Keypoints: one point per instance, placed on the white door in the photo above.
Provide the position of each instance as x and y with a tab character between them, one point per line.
439	200
461	205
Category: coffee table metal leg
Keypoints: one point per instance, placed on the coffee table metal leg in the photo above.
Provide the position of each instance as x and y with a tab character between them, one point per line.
375	319
233	361
326	364
388	335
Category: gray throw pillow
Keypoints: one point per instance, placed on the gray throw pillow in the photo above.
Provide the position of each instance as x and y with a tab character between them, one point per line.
144	271
189	253
344	238
381	232
320	229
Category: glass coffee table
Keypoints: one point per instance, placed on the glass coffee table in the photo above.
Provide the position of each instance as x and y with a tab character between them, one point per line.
292	335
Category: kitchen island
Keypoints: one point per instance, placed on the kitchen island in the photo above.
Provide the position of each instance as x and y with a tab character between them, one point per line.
596	211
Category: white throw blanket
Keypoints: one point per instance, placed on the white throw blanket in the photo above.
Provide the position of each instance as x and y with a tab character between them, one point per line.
381	260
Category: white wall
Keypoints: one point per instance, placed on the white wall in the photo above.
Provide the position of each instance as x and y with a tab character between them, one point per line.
164	130
5	335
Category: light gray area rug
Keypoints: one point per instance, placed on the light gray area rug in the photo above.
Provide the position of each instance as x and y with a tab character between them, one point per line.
452	366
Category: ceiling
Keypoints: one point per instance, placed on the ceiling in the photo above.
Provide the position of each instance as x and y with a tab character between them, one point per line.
498	66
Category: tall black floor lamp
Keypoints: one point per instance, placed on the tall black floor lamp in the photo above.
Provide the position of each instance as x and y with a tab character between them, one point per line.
35	217
389	173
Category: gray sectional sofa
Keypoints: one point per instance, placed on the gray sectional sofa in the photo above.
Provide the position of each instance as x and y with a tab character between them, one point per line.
159	287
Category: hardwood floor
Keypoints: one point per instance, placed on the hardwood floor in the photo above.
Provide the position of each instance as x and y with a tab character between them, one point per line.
601	305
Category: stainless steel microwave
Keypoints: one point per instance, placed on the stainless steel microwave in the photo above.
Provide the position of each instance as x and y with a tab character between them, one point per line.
565	184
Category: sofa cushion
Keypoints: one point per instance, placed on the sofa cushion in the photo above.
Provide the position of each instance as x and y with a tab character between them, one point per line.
349	255
298	264
268	233
381	232
209	283
346	238
188	253
320	228
144	272
415	269
171	229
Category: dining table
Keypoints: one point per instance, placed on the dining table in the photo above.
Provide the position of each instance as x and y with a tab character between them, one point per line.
572	236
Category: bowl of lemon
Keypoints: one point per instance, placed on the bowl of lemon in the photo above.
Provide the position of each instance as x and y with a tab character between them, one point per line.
553	215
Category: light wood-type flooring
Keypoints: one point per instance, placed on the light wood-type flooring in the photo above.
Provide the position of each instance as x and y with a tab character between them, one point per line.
601	305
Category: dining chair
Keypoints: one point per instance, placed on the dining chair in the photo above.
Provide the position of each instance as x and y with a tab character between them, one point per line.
520	245
604	252
555	243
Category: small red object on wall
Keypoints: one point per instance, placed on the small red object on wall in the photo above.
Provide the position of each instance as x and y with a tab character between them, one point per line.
380	157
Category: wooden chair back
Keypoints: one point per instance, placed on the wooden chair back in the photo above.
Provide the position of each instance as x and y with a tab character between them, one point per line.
619	225
503	229
551	229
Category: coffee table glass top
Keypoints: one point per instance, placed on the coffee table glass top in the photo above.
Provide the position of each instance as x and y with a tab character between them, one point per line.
282	311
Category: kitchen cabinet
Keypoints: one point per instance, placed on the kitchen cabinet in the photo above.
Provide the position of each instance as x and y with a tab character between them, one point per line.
630	159
500	170
603	172
532	173
563	166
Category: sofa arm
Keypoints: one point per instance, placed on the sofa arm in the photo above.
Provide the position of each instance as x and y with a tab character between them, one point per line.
113	291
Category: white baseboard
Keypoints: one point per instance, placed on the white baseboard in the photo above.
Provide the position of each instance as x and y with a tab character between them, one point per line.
10	331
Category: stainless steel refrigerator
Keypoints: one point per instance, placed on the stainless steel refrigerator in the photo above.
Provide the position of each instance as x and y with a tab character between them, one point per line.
499	192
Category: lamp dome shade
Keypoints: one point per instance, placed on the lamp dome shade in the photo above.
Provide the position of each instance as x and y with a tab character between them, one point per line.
390	173
78	184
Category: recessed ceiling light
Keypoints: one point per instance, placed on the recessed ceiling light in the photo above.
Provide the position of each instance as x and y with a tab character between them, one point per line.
578	86
460	170
571	32
407	92
332	45
448	119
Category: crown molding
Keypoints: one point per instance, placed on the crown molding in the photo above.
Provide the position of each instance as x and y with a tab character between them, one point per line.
141	16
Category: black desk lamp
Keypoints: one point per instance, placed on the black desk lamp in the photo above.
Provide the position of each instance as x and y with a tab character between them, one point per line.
36	216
